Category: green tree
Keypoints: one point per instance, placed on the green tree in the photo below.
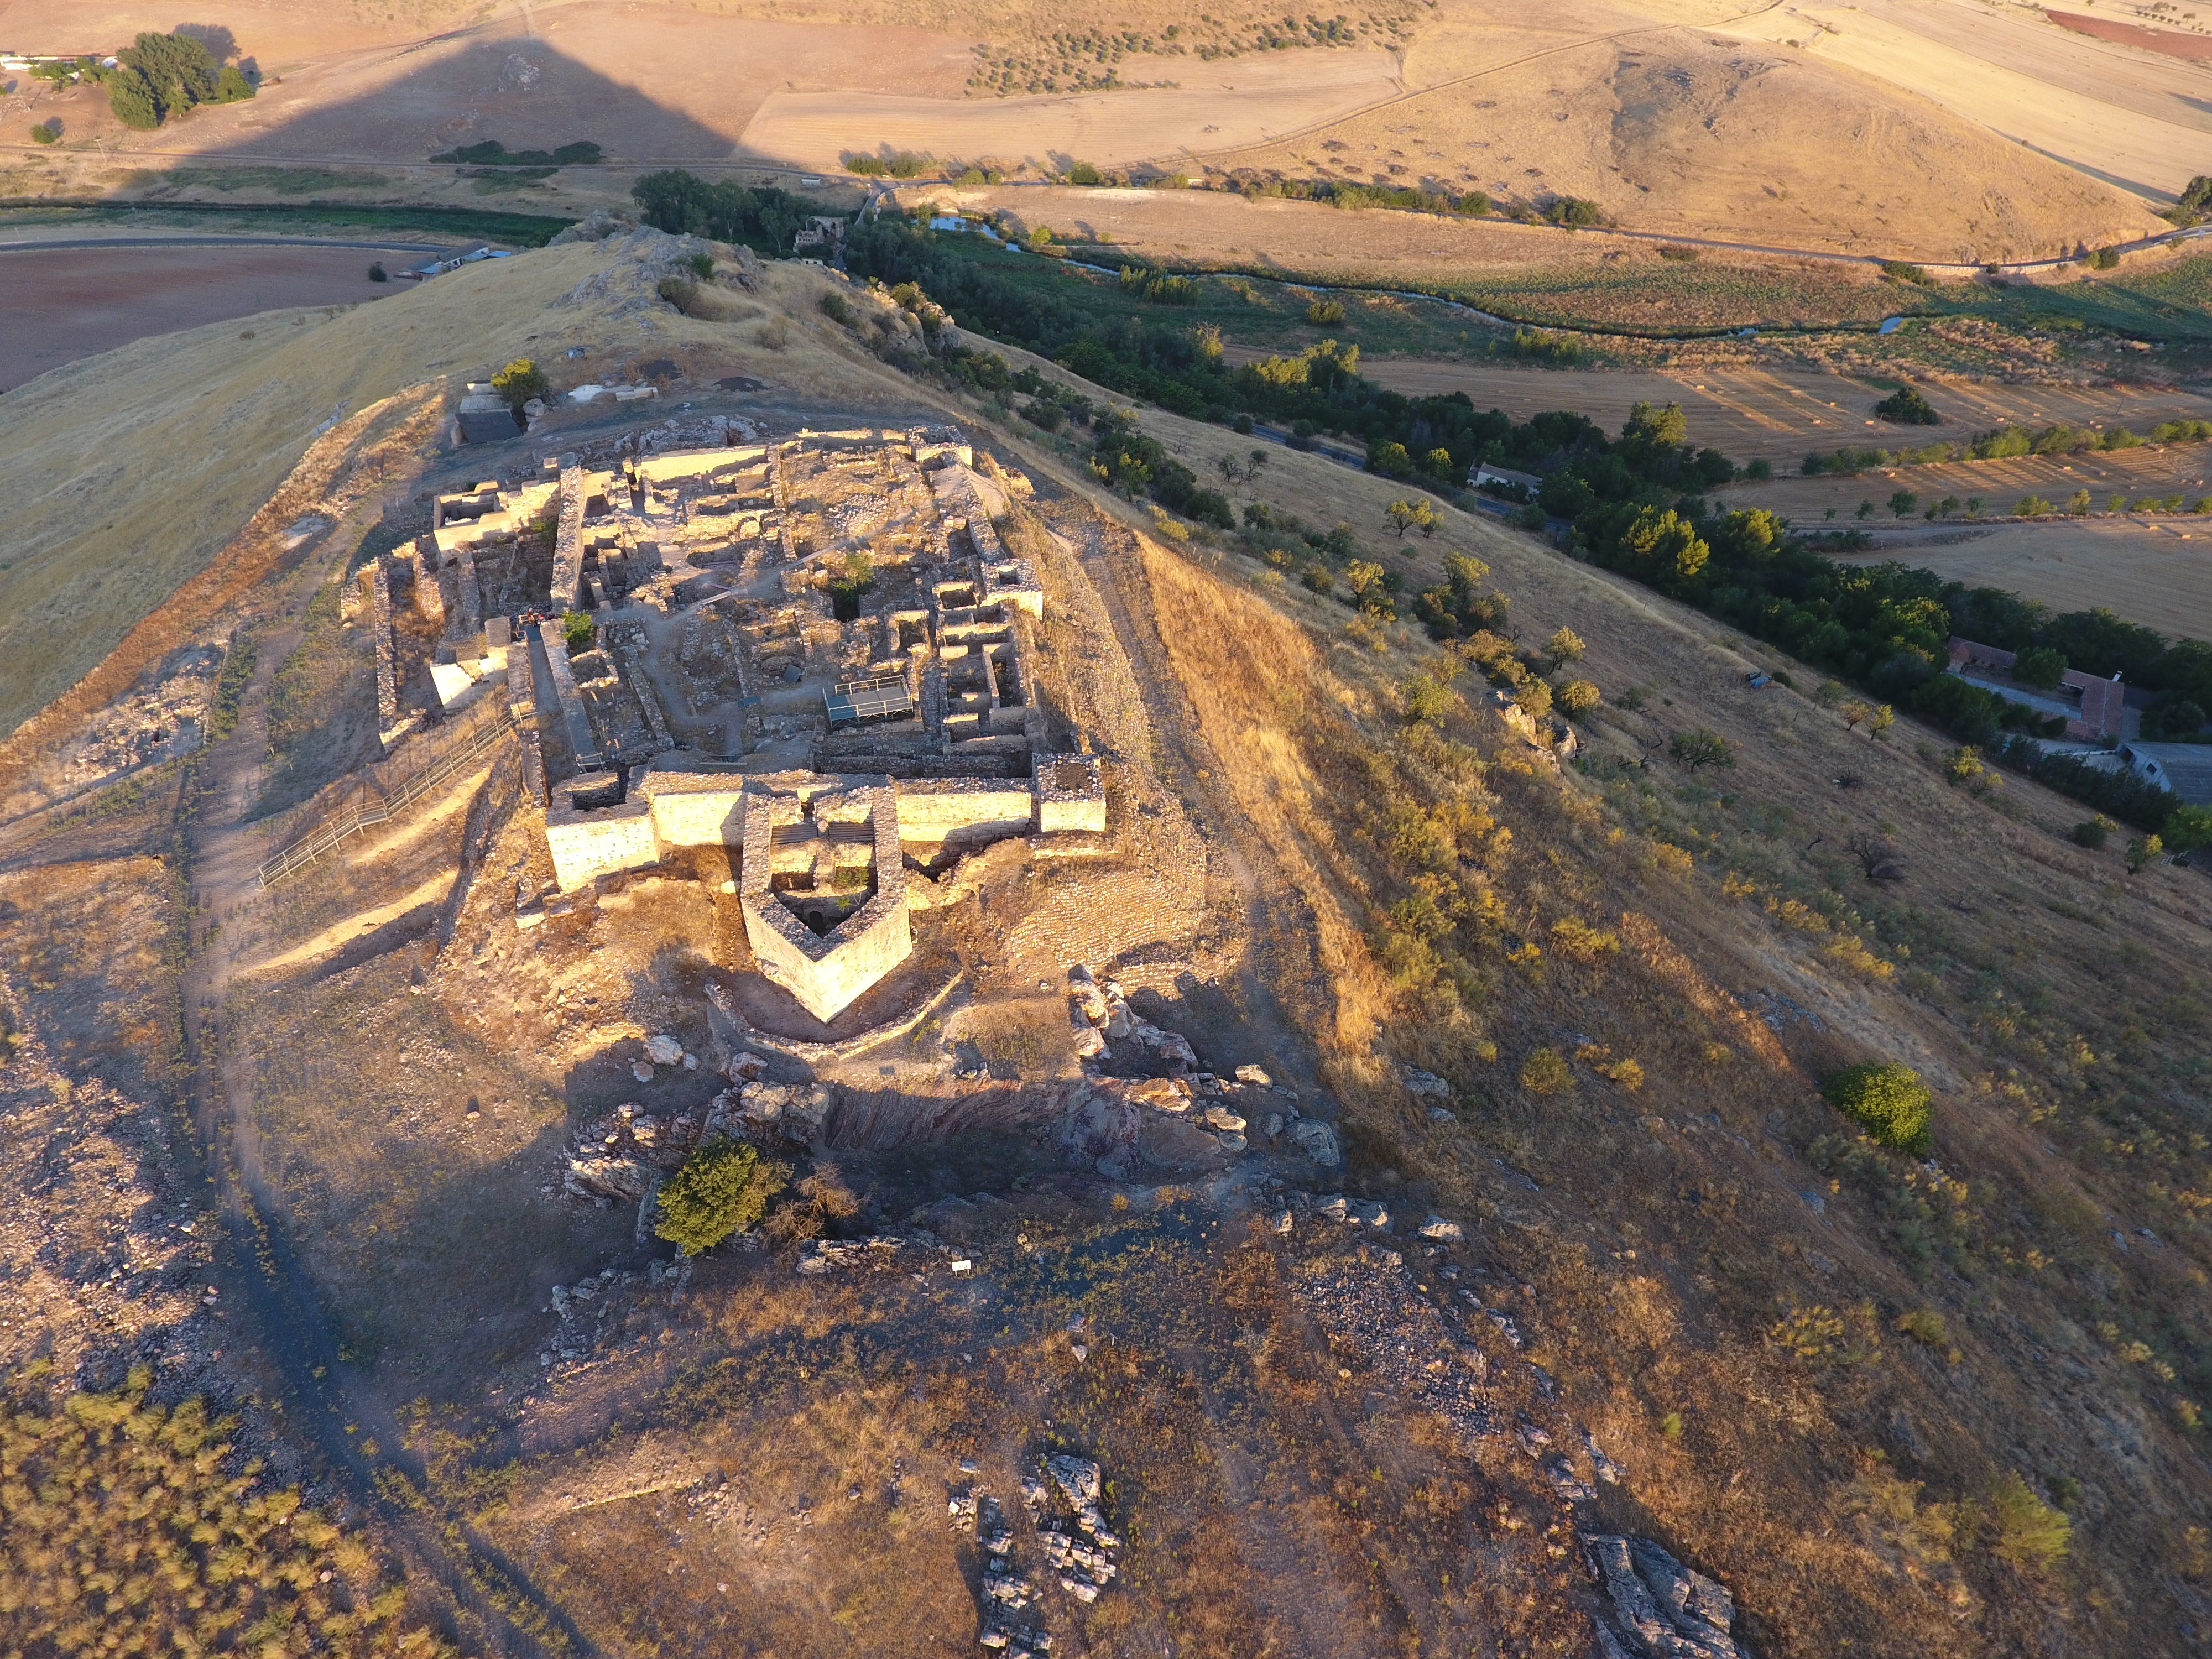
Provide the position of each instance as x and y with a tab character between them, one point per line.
131	97
724	1187
1903	501
171	72
1391	460
1424	700
2142	851
2030	507
1652	427
1866	510
1084	174
45	132
1565	645
2030	1533
2187	829
1880	720
2040	666
1325	313
2092	833
2078	502
1907	407
1578	696
576	631
520	381
1890	1102
1695	752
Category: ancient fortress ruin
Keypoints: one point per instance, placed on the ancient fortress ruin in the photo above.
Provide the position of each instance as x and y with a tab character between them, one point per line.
814	655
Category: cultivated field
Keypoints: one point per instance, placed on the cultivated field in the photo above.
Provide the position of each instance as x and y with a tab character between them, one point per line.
2158	574
71	302
1241	101
1778	415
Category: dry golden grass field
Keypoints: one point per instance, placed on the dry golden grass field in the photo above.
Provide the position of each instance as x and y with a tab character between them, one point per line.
1931	132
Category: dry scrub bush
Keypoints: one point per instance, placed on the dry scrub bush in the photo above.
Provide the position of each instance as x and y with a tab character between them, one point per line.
131	1528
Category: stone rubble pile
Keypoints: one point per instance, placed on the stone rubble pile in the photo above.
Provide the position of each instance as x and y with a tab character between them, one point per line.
824	1254
1353	1211
1373	1308
619	1159
1097	1010
769	1112
1083	1557
1006	1591
584	1309
1661	1608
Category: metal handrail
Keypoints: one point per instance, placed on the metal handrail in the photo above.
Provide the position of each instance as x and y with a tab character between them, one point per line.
326	837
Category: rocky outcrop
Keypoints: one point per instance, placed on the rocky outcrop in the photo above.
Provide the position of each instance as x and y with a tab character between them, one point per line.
1660	1610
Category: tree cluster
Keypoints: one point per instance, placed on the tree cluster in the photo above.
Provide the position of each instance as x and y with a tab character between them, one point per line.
683	203
158	76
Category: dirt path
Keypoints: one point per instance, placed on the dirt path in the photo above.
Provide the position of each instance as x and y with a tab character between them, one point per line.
327	1398
1272	913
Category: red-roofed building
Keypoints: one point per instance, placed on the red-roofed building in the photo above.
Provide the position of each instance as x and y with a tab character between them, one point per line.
2094	710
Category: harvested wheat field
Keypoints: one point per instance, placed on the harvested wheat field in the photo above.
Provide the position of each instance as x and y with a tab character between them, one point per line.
1241	100
2159	574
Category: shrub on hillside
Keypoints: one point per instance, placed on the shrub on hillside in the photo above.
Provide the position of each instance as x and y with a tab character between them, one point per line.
520	381
1546	1073
724	1187
2030	1533
1890	1102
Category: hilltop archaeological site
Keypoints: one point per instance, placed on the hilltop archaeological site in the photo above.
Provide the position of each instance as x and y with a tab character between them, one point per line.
889	833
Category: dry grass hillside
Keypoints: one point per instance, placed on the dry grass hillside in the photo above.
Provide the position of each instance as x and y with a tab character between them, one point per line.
1940	1405
107	460
1714	1242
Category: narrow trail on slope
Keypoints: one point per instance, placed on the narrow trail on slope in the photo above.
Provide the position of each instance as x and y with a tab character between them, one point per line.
326	1396
1272	913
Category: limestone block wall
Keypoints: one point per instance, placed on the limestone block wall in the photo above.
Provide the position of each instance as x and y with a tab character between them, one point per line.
522	708
826	972
932	809
1071	793
568	541
600	842
697	817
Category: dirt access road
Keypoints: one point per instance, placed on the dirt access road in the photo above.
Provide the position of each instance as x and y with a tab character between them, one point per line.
73	298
